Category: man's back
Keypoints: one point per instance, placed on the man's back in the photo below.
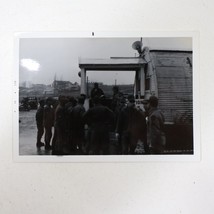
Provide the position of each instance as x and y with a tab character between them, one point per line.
48	117
98	115
77	116
156	120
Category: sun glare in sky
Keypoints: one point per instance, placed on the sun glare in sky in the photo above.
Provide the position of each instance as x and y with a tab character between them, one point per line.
30	64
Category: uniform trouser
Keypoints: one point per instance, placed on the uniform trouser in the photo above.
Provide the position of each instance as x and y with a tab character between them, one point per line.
156	150
40	132
99	141
60	139
78	140
128	142
48	135
54	141
157	144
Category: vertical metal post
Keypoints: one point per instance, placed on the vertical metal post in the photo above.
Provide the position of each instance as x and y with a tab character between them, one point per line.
83	81
135	83
142	81
87	87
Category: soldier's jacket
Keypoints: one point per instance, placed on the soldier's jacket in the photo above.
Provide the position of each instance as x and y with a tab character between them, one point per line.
48	116
155	127
60	115
98	116
77	117
117	102
40	115
132	120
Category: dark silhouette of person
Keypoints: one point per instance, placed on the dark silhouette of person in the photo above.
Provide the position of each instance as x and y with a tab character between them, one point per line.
77	125
60	126
117	99
155	134
72	102
96	91
117	103
99	119
48	121
131	127
39	123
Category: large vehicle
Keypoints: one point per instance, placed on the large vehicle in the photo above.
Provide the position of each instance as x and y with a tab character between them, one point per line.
166	74
28	103
33	102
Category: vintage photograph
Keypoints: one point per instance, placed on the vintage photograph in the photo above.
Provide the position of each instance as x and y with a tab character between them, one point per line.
105	96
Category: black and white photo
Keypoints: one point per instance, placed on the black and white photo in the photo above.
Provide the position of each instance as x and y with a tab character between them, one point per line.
105	96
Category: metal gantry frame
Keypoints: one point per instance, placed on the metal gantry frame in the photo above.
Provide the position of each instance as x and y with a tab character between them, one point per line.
135	64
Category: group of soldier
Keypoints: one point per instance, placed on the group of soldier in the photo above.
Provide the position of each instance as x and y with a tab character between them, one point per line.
69	129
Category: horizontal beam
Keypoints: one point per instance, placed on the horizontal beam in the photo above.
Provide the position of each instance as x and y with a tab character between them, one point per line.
113	64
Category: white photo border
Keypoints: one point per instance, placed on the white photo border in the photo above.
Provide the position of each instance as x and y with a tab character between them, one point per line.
196	156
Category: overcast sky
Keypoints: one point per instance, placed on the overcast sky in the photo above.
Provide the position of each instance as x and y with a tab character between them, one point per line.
43	58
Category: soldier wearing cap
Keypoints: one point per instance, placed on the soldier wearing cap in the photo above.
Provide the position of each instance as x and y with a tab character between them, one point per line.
155	126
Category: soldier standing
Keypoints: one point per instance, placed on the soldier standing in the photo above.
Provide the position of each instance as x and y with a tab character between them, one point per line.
155	134
39	123
116	99
60	126
95	92
68	114
99	119
131	127
48	121
77	125
117	103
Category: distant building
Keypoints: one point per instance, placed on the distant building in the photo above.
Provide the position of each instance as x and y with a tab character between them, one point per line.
49	93
92	83
40	88
65	85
